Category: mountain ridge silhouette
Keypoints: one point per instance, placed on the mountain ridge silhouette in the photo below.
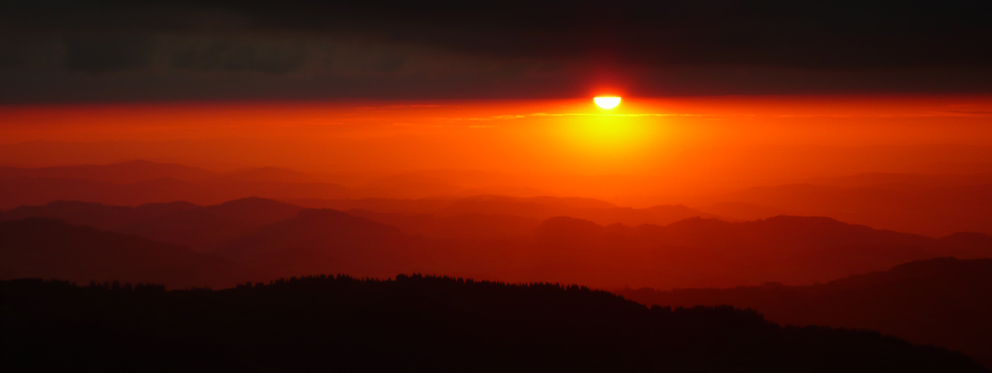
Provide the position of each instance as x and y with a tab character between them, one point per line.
49	248
942	301
693	252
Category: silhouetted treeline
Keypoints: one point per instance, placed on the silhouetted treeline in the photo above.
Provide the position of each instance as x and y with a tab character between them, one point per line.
417	323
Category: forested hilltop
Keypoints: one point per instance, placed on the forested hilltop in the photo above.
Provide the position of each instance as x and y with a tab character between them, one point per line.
417	323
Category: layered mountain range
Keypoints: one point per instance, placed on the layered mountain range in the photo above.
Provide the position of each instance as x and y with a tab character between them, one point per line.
281	239
934	204
143	222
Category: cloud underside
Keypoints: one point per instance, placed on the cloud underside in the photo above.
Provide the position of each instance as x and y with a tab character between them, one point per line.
63	50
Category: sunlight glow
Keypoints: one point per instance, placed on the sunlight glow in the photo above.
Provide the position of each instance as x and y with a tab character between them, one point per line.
607	102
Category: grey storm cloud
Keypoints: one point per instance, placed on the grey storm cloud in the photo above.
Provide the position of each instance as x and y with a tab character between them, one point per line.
268	56
10	59
840	34
107	53
445	48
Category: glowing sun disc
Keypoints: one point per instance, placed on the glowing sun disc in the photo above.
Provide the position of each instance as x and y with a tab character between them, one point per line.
607	102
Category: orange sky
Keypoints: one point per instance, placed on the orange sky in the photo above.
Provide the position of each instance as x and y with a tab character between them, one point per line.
669	146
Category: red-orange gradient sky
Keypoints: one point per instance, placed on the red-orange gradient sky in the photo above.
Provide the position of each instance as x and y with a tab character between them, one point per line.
644	151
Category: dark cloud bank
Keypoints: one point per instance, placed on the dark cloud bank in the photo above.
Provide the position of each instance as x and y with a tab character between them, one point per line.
54	51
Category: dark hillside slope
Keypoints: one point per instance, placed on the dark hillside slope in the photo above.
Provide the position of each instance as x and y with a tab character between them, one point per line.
180	223
126	172
96	215
690	253
285	240
535	208
419	324
140	182
947	302
207	227
464	226
47	248
713	253
933	210
322	241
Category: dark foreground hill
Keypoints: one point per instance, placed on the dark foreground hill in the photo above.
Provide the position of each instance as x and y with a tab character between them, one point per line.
946	302
418	324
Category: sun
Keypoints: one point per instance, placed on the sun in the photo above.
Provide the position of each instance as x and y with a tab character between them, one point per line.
607	102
